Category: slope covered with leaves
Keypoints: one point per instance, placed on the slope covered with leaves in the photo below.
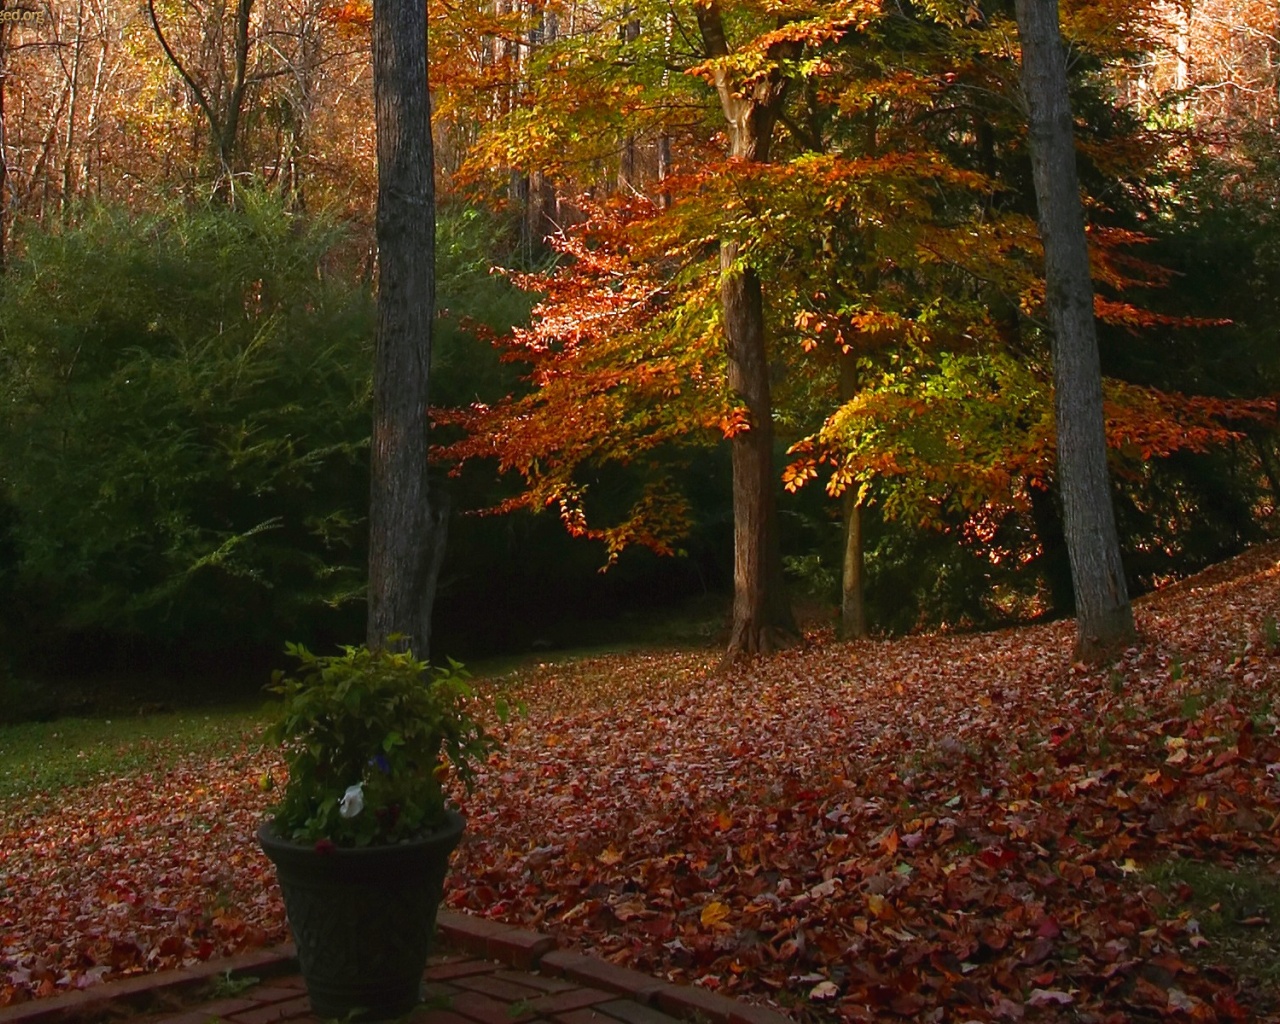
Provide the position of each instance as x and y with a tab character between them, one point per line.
934	828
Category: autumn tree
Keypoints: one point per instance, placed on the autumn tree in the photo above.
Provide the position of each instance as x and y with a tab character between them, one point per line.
762	619
771	272
889	234
751	103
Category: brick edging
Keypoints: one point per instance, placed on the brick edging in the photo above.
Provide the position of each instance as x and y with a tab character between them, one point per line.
131	995
529	950
517	947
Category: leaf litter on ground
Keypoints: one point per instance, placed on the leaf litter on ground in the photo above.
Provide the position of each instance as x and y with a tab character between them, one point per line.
934	828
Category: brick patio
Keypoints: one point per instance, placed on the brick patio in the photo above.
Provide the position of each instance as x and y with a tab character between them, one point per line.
485	973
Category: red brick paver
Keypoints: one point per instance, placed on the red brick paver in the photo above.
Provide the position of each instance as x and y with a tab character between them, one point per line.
271	1013
602	974
499	988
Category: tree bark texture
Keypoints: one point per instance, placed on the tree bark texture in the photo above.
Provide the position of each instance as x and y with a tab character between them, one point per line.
762	619
4	142
406	534
1103	615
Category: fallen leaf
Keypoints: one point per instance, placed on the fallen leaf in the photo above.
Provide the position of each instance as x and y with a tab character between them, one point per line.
714	913
1049	997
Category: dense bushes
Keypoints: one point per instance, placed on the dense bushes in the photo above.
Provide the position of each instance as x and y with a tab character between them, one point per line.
184	423
183	426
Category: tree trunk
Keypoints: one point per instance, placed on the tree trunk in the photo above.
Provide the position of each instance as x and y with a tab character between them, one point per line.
406	535
532	193
1103	616
540	210
1046	515
69	136
629	159
762	619
853	609
4	150
664	139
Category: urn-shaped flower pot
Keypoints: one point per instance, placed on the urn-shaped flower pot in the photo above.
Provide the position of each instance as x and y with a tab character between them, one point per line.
363	918
361	835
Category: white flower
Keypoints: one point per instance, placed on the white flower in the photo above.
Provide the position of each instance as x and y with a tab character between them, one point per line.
352	801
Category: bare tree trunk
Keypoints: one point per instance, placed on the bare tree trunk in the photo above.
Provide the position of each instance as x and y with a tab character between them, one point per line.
4	149
762	619
69	137
1103	616
664	140
629	163
853	609
304	68
92	131
406	535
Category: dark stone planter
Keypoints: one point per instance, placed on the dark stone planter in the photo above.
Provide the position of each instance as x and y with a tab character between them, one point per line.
363	919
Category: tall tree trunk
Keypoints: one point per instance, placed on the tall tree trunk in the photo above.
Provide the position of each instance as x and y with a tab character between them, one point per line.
4	150
628	161
853	608
532	193
762	619
664	140
69	136
406	535
1103	616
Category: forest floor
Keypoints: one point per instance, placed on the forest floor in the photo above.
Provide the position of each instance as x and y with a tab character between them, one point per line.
934	828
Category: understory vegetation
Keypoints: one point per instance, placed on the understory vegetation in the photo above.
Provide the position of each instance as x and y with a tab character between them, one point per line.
183	466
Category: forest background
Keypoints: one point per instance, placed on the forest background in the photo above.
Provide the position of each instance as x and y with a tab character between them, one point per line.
186	318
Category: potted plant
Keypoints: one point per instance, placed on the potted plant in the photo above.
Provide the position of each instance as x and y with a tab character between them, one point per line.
361	837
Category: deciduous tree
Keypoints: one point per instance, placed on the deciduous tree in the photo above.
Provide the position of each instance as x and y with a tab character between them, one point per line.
406	528
1103	614
751	103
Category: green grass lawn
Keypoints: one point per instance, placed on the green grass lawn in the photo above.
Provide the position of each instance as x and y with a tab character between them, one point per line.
43	758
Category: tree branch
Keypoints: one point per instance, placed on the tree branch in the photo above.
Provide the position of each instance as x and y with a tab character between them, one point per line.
711	28
192	84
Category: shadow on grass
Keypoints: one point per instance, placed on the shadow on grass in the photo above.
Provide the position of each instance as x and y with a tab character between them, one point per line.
1233	917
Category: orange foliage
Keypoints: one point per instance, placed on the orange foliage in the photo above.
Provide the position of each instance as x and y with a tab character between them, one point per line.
617	371
351	17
